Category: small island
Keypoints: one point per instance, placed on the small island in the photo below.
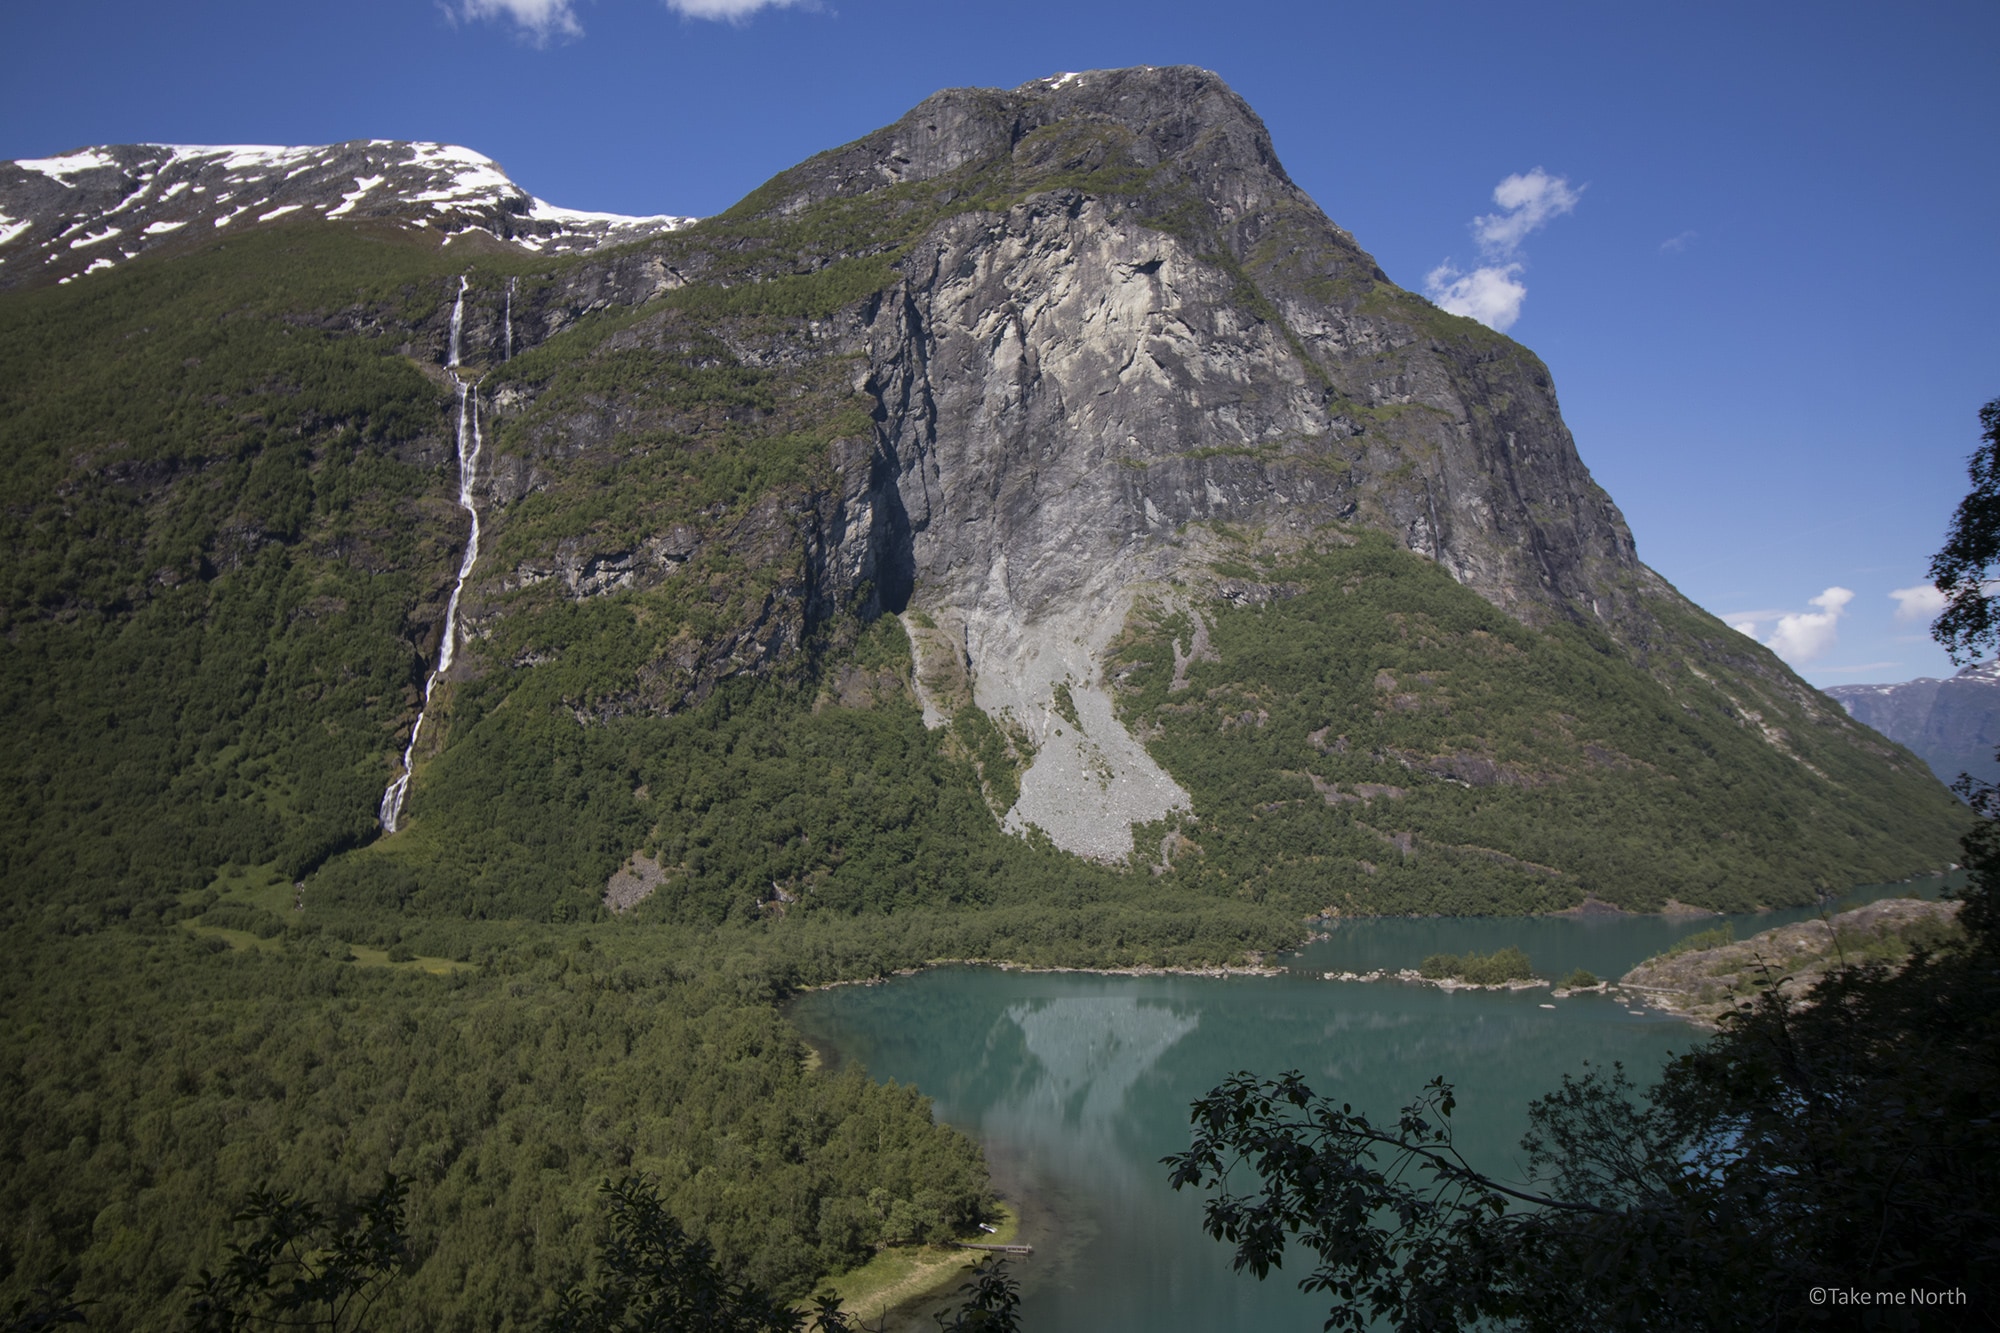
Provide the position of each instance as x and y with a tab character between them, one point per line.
1503	969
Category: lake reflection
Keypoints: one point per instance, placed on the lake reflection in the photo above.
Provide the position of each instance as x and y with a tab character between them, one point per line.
1086	1053
1078	1084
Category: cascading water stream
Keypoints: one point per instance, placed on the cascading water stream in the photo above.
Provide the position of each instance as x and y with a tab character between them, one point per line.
507	324
469	443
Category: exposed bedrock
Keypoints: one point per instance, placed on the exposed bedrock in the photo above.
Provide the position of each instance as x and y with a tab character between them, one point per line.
1067	392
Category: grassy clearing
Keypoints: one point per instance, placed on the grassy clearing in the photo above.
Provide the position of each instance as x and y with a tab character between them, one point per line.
437	967
360	955
263	886
904	1274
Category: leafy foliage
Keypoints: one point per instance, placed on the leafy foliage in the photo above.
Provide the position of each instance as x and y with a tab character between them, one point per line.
214	542
654	1276
992	1302
1963	569
47	1306
301	1267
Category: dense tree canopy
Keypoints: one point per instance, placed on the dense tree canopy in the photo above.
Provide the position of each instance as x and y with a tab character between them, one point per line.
1963	569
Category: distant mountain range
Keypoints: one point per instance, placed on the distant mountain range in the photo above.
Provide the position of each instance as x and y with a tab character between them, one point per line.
1953	725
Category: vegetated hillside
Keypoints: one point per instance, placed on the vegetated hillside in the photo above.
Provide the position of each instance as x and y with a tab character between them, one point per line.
1358	725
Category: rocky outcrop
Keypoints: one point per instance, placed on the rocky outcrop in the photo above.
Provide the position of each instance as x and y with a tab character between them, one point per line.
1703	984
1953	725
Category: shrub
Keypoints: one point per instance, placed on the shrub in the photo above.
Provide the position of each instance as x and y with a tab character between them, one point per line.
1490	969
1707	939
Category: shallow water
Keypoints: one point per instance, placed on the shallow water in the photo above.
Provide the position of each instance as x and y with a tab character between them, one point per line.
1078	1084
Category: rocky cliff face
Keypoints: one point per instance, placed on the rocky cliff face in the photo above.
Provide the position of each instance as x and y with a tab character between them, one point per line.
1953	725
1074	385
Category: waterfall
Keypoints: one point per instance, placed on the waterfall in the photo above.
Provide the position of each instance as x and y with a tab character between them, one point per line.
457	325
507	324
469	444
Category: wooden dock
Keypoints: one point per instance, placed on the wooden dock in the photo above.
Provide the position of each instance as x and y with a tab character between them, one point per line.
996	1249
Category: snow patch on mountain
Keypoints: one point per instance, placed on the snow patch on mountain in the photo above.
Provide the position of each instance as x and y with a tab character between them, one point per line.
52	206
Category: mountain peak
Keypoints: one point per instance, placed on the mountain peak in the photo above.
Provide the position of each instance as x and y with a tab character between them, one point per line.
93	208
1149	126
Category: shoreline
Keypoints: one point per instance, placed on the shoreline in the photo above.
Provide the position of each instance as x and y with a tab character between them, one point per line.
1410	976
1316	931
1216	970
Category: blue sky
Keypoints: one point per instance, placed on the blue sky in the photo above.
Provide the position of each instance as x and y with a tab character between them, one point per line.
1770	306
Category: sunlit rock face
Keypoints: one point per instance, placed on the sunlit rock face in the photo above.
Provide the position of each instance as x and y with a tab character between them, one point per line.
1074	389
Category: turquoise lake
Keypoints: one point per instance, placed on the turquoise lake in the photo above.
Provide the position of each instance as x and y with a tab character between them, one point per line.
1077	1085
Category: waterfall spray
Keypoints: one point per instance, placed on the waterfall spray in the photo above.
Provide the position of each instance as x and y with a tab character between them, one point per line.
469	443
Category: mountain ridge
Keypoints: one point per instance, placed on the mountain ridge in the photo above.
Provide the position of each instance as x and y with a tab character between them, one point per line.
1953	724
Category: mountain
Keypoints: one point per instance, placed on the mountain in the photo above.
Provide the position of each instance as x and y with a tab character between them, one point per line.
1953	725
95	208
466	664
1036	506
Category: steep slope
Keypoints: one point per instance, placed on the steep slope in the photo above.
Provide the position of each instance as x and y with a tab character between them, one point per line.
1192	522
1953	725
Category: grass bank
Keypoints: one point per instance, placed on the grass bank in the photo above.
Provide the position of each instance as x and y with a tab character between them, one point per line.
909	1278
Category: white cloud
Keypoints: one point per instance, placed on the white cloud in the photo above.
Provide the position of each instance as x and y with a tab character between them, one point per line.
1805	635
1673	245
1923	602
1744	627
543	19
540	19
1530	202
1493	292
734	11
1491	295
